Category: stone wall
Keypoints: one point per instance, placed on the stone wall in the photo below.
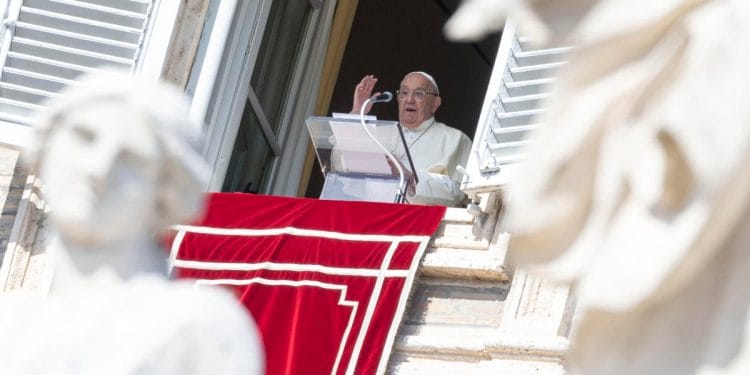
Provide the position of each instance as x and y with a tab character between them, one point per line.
23	246
12	181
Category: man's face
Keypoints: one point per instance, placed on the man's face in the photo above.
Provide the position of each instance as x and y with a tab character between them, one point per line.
411	110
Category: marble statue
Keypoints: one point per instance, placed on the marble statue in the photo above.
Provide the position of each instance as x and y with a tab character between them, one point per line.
119	161
637	189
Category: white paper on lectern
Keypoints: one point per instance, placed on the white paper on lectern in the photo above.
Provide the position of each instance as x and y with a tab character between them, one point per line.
353	116
357	151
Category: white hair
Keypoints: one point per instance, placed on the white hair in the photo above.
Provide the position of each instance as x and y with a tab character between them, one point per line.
429	78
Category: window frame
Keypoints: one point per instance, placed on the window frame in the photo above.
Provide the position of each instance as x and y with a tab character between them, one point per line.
224	113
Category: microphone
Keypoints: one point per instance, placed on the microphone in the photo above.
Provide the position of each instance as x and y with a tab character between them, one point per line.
382	98
385	97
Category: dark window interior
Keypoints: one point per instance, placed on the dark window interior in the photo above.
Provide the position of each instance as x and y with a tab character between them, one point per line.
390	38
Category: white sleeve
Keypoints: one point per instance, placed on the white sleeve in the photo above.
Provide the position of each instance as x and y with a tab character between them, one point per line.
440	183
435	188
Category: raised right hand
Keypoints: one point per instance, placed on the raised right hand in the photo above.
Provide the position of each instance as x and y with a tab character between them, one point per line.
362	92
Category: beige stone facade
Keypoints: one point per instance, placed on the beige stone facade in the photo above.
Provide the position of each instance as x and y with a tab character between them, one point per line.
25	262
469	312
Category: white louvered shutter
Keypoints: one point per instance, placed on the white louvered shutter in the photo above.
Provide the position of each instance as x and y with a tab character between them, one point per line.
521	80
48	43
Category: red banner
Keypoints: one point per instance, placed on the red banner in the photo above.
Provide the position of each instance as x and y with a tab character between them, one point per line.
325	281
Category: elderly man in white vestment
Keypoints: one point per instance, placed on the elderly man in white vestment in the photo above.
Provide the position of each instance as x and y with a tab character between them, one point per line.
436	149
120	161
637	191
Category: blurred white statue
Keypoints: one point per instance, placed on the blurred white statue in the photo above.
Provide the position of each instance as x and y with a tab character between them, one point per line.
637	190
119	161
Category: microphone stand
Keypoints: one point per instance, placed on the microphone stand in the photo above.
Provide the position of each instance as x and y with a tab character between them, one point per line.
401	193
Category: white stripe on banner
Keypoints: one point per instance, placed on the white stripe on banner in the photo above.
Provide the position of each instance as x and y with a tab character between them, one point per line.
401	307
297	283
371	308
299	232
379	273
271	266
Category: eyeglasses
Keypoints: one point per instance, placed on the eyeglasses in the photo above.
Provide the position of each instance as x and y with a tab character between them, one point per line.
418	95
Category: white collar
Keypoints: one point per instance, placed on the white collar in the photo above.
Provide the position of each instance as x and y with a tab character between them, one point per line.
423	126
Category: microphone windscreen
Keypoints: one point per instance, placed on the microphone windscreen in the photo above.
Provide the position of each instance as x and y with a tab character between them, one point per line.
384	97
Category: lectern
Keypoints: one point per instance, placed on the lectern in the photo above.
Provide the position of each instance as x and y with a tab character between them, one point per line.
354	165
